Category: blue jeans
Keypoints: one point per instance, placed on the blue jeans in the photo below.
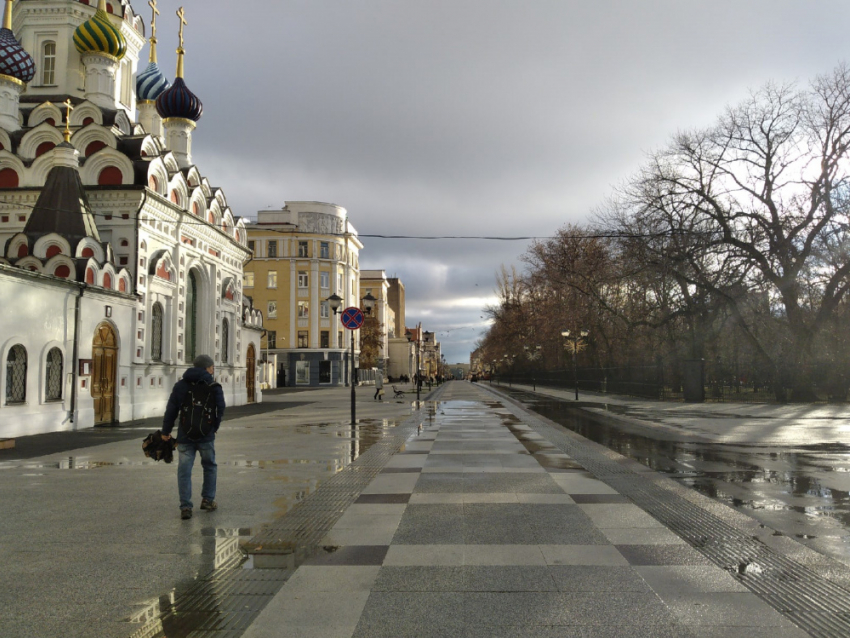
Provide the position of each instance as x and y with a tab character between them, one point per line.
184	471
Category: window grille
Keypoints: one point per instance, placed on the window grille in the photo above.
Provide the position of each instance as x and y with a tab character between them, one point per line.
225	340
54	375
16	375
156	332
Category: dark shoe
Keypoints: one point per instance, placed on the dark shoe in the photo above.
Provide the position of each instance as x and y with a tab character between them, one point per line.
209	505
186	513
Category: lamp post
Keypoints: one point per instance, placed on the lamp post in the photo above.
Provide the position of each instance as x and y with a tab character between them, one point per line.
533	354
417	378
574	341
368	303
509	359
492	370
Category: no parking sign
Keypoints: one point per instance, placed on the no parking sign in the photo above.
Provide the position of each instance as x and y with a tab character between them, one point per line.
352	318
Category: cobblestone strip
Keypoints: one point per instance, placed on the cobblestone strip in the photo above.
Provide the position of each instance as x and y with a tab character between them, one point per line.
815	604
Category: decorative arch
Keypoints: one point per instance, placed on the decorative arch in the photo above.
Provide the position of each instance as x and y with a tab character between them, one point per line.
53	374
90	248
16	175
171	164
197	204
39	169
110	176
86	111
123	123
43	246
15	369
241	231
149	147
13	246
178	188
227	222
228	289
44	112
158	172
30	263
5	141
91	134
61	266
198	287
107	157
193	177
205	186
37	138
108	277
160	265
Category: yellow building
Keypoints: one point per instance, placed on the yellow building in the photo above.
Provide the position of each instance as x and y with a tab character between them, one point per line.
304	253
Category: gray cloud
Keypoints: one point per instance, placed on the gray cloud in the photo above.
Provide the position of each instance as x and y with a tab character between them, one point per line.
470	116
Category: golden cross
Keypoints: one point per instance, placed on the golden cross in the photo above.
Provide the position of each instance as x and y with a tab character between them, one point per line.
181	14
69	108
152	4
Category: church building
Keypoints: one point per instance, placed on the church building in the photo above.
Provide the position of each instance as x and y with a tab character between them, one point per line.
120	261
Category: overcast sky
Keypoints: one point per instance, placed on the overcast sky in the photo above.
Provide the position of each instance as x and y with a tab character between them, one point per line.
469	117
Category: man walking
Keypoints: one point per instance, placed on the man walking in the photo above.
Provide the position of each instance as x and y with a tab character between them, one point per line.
198	401
379	386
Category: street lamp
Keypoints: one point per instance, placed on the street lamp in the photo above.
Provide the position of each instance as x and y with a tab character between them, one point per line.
417	378
533	354
335	302
574	341
509	359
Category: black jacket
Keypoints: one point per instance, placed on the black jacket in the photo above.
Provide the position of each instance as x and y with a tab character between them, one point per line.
175	402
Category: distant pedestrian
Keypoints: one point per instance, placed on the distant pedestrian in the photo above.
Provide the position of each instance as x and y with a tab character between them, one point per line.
198	401
379	387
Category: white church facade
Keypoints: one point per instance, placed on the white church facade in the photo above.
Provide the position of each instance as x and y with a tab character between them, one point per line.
120	261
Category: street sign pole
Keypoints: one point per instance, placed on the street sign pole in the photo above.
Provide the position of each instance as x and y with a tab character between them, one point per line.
352	319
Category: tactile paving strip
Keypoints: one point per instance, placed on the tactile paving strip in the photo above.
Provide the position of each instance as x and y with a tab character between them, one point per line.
813	603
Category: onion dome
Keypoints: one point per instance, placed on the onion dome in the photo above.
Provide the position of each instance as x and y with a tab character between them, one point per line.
151	82
179	101
98	35
14	61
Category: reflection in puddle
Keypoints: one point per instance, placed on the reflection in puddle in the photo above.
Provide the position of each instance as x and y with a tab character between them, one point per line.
791	489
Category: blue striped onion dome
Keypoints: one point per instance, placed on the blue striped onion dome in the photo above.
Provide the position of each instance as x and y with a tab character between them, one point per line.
14	61
179	101
98	35
151	82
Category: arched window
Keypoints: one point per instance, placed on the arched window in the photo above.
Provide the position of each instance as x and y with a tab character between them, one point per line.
16	375
156	332
153	183
107	281
48	63
191	318
53	381
110	176
23	251
225	339
89	276
63	272
9	178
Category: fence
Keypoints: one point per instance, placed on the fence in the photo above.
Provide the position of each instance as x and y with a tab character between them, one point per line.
723	383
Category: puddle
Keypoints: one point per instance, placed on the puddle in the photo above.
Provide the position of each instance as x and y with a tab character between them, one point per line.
793	489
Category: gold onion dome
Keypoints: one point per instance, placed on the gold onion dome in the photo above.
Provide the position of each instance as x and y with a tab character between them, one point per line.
98	35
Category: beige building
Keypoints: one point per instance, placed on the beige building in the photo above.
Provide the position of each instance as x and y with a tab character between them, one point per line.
375	282
304	253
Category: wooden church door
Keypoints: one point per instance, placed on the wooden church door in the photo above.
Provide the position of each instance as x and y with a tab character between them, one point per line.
104	368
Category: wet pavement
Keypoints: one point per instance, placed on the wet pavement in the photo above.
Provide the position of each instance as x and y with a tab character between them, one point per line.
800	490
468	516
91	542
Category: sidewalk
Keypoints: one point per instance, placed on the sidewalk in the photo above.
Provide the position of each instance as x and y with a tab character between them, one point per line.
480	526
766	424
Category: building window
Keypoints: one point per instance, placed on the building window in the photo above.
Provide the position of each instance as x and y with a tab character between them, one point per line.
156	332
303	339
251	245
325	279
272	282
325	250
303	310
303	279
302	372
272	250
16	375
271	337
339	287
248	280
225	340
324	310
302	249
53	383
340	339
191	318
272	313
325	339
48	64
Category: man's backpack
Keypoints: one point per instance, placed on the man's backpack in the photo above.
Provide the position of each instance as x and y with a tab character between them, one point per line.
199	410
